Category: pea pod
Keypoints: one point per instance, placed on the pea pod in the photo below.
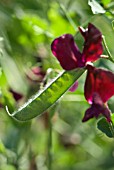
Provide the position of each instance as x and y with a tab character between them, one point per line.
39	103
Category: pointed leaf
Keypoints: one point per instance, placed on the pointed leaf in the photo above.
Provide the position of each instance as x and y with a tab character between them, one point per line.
104	126
47	97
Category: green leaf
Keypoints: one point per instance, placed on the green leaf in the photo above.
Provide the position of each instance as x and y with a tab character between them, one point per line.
48	96
105	127
106	2
112	118
96	7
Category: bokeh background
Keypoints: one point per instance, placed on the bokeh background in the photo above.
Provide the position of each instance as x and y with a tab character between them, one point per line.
27	29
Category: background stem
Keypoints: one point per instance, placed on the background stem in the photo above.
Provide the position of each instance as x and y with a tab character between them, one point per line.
50	145
107	50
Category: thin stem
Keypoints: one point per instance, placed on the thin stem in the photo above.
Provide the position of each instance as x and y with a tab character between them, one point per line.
111	128
68	17
113	24
107	50
50	145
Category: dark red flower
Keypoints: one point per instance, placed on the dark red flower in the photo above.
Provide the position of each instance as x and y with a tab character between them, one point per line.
92	45
68	54
99	88
17	96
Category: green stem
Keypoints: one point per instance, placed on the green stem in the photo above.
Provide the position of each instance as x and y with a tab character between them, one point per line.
68	17
50	145
107	50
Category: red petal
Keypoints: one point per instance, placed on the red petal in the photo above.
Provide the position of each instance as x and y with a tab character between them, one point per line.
99	81
89	84
93	43
88	114
95	110
83	31
66	51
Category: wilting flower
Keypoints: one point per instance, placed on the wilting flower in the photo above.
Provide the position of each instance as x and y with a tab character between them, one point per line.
66	51
99	88
36	74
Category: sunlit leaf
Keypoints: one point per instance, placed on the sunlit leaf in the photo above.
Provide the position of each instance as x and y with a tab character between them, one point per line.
106	2
47	97
112	118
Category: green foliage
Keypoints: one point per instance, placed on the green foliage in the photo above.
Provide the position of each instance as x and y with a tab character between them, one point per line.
27	29
47	97
105	127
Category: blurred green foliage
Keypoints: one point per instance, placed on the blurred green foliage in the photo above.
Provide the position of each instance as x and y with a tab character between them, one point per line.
27	29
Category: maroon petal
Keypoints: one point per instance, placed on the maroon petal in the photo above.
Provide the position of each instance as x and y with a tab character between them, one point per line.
83	31
17	96
97	108
93	43
95	111
89	84
99	81
67	52
88	114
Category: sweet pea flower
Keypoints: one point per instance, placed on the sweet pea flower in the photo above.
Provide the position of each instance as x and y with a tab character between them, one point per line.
66	51
99	88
